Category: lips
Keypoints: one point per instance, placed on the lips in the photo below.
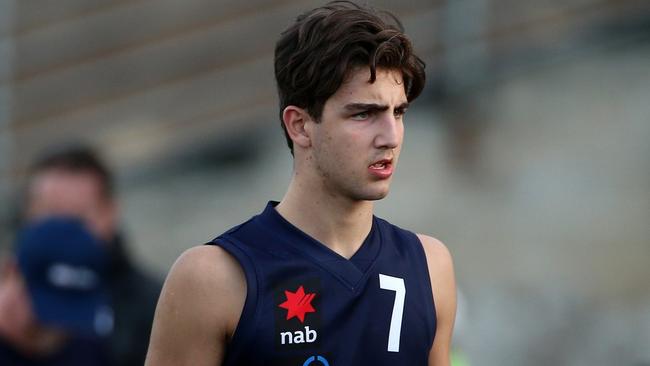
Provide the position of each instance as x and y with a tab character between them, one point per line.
382	168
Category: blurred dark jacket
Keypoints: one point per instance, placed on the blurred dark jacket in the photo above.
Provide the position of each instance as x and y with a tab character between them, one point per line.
134	295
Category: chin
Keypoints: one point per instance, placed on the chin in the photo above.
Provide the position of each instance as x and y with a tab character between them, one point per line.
372	191
375	196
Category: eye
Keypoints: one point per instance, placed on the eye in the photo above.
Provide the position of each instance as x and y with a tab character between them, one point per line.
361	116
399	112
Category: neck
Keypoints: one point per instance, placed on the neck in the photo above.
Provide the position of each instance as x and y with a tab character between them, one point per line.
340	223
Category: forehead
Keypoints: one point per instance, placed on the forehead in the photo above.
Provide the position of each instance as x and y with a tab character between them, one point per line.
64	188
388	87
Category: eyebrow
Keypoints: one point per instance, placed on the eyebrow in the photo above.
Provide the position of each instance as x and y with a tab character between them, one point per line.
372	107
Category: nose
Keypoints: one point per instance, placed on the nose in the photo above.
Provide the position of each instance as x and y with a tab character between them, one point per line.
390	131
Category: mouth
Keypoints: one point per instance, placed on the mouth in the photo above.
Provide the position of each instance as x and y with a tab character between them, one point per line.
381	164
382	168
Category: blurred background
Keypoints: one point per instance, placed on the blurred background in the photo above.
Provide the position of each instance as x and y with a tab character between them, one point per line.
528	153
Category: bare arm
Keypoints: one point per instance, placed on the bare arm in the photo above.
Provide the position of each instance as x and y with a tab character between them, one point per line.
198	309
443	284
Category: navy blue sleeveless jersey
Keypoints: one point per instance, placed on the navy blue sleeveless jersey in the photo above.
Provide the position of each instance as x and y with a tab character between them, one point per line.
307	305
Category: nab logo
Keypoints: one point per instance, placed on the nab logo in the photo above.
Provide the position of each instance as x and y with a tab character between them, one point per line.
299	336
297	319
298	304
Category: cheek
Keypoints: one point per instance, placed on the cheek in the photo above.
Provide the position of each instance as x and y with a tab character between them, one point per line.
349	149
330	156
340	149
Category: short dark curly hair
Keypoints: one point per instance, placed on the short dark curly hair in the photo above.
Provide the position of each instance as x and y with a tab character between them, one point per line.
317	52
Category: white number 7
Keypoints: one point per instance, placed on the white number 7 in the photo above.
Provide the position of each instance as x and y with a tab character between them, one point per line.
394	284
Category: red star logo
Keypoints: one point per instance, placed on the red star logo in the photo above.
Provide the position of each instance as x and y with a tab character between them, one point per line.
298	304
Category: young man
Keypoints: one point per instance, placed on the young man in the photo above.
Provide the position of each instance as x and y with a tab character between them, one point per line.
74	181
317	279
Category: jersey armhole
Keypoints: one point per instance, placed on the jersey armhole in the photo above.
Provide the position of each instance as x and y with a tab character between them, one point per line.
245	329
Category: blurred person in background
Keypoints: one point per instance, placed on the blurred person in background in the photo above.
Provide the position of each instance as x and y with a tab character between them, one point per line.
317	279
54	308
74	181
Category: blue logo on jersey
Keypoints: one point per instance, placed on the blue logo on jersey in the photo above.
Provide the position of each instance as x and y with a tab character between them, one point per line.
320	359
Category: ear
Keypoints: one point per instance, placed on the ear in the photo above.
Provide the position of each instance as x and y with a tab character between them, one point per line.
295	120
108	220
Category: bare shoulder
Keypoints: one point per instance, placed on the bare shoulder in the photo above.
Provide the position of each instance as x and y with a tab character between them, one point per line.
206	274
443	285
438	256
199	308
441	270
207	264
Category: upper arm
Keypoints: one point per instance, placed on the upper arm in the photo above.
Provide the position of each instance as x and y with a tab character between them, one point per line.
198	310
443	285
